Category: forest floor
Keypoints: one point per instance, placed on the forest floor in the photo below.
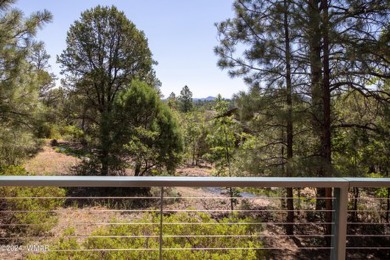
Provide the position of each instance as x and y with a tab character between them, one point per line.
52	161
49	161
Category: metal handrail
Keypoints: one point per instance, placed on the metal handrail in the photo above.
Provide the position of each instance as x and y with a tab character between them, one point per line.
164	181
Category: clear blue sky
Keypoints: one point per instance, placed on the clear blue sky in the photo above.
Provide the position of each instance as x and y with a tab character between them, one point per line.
181	36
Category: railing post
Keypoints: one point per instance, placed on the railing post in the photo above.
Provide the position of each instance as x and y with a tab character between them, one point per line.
161	222
339	229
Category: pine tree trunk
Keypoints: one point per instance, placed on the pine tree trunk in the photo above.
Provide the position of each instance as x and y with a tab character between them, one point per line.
104	161
290	202
388	205
193	153
105	144
227	154
388	200
355	203
320	87
314	40
137	170
326	135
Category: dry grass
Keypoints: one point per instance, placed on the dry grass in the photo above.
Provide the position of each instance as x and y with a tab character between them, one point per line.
17	255
50	162
84	221
194	171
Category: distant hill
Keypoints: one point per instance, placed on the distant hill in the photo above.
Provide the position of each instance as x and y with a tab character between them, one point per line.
209	98
206	99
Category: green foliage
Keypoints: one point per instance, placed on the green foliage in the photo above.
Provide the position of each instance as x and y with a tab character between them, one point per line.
19	83
150	132
98	71
172	101
16	145
195	130
31	214
52	130
185	100
144	133
379	192
223	138
64	243
204	105
252	156
48	130
72	133
56	114
182	247
260	44
71	150
119	119
362	148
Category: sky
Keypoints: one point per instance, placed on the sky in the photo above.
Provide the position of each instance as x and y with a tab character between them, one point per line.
181	35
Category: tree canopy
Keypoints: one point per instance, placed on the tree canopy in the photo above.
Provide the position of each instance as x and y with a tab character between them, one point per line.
105	52
19	83
149	132
307	52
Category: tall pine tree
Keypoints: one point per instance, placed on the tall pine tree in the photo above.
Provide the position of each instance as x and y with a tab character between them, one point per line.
19	85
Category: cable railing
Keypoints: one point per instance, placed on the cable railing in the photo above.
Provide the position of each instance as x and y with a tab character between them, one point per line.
192	217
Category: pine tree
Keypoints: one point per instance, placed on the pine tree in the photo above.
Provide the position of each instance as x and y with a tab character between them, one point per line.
105	52
315	49
172	101
185	100
19	85
264	27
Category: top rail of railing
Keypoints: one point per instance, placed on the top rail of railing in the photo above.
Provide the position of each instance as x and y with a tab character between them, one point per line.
163	181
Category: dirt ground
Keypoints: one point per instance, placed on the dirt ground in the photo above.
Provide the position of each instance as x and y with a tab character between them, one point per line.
50	162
